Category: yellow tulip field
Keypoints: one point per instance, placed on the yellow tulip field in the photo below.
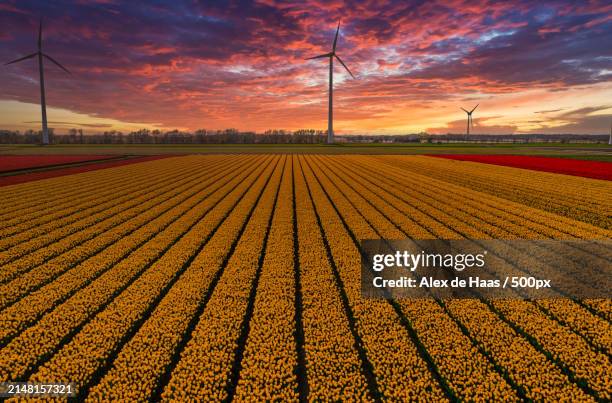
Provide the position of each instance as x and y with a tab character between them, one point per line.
237	277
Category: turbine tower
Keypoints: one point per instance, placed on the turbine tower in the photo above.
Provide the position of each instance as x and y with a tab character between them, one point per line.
610	141
469	119
331	55
41	70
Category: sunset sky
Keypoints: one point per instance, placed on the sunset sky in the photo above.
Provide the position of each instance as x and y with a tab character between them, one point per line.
534	66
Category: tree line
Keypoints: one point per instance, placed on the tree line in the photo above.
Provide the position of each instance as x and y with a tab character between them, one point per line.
145	136
303	136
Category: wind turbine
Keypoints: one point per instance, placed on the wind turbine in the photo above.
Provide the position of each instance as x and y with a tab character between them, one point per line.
43	104
469	119
610	141
331	55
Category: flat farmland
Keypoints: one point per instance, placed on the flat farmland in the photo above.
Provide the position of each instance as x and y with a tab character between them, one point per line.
584	151
237	277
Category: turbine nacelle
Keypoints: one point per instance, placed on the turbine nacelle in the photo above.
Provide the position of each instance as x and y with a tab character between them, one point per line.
40	53
333	54
470	112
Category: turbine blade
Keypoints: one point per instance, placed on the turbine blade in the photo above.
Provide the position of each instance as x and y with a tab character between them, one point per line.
474	108
40	34
320	56
57	63
347	69
336	37
465	111
22	58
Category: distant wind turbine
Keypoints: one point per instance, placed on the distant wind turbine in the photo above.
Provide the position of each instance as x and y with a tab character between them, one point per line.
610	141
469	119
43	104
331	55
